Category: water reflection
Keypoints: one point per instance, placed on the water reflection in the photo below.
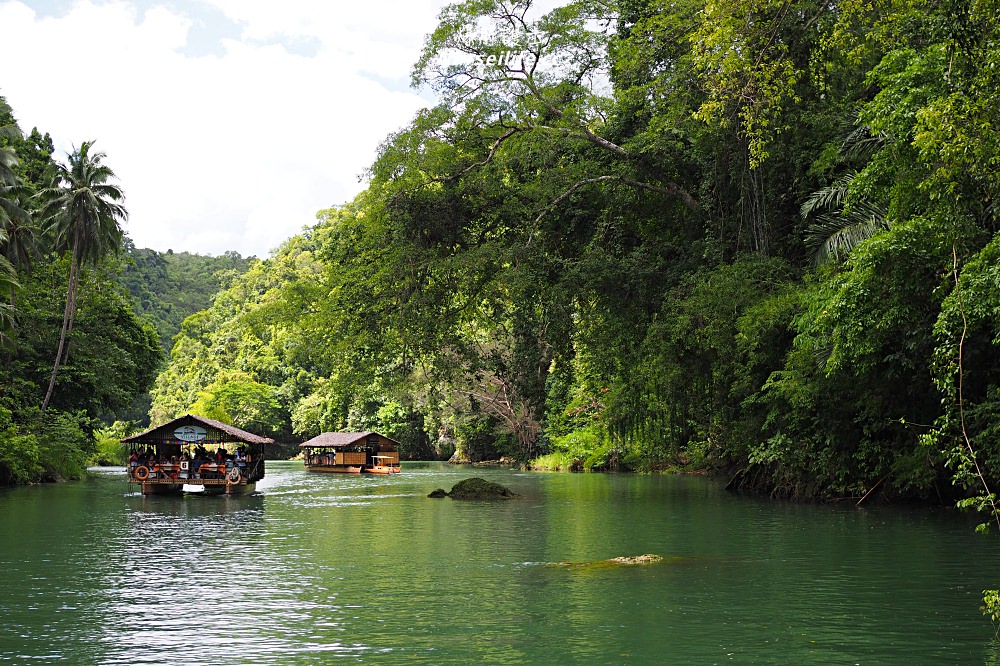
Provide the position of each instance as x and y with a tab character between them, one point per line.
205	577
368	568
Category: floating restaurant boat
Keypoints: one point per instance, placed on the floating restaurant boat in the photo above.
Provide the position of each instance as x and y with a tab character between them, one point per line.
195	451
351	453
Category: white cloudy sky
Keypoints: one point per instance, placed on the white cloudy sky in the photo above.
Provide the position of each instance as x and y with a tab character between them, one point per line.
228	122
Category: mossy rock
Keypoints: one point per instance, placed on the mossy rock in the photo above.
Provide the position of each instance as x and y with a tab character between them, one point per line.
477	489
637	559
615	562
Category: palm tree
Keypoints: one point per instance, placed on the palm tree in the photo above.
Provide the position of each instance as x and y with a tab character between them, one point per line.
82	211
21	245
841	224
12	217
17	235
8	282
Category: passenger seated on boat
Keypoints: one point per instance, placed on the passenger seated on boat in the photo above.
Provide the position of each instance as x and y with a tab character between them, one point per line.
133	460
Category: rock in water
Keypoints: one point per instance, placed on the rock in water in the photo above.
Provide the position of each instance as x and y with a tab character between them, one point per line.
476	488
616	562
637	559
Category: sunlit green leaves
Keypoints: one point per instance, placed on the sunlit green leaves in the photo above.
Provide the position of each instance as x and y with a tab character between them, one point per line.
742	54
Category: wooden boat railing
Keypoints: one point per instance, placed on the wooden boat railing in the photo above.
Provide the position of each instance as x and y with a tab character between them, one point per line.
186	473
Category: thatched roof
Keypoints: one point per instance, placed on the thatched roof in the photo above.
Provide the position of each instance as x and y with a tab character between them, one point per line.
342	439
217	432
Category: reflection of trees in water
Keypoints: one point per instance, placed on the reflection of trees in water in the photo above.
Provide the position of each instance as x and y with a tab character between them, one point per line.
992	652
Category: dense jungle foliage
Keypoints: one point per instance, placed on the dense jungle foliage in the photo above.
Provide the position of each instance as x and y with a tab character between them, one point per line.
73	353
126	302
756	237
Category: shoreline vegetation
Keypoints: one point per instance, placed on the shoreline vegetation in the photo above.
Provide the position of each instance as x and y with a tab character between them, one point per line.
757	240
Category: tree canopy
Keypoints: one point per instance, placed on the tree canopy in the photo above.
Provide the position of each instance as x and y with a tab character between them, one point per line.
742	236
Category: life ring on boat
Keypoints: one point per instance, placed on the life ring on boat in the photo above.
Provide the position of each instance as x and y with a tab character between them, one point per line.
233	476
142	472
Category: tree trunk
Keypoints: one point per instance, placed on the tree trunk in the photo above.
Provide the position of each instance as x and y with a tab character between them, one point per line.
66	325
75	291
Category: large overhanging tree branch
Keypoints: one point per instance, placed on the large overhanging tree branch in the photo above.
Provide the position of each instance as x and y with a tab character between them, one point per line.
529	72
670	189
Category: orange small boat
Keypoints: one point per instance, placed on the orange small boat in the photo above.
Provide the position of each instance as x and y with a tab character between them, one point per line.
387	464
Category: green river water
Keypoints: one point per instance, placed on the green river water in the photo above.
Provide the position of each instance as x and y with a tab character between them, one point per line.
316	569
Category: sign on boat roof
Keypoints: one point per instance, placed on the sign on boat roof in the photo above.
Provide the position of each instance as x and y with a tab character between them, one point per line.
191	428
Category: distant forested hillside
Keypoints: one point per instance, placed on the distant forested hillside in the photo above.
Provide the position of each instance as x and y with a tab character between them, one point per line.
168	286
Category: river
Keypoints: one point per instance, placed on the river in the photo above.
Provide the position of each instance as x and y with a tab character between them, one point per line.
367	568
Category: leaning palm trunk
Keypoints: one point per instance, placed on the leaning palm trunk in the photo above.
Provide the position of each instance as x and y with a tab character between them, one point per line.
67	326
73	292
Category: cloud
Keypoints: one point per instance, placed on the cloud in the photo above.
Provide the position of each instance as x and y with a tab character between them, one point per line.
235	144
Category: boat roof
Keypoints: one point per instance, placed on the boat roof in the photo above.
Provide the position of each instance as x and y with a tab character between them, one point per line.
341	439
216	432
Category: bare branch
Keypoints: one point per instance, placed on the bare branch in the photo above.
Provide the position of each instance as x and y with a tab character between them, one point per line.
555	202
670	189
488	159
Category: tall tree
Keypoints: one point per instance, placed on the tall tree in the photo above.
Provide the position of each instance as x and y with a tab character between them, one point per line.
24	162
8	282
12	216
83	211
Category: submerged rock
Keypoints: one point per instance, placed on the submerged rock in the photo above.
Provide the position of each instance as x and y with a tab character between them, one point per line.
623	561
638	559
475	488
